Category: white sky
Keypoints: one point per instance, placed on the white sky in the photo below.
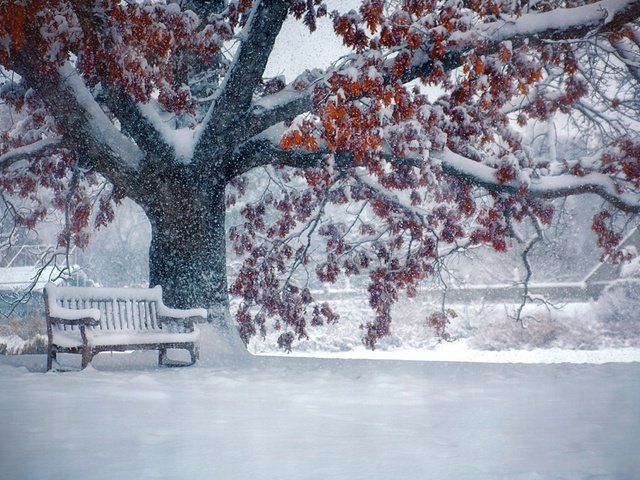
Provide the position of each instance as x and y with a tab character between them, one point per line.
297	50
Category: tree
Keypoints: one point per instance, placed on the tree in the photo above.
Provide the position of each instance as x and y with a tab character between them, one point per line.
165	103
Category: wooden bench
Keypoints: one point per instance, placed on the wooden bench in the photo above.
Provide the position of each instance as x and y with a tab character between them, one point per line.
88	320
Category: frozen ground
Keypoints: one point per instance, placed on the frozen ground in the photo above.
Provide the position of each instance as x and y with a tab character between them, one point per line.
309	418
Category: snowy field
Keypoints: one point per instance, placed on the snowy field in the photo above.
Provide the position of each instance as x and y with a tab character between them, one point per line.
309	418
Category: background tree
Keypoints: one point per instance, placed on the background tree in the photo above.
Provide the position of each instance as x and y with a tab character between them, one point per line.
364	170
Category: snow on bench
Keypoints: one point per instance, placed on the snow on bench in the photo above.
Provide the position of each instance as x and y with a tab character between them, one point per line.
88	320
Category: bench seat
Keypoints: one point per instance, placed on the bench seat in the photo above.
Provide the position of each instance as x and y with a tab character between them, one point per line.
70	339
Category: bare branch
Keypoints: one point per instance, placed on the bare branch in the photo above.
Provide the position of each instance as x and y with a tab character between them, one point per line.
628	52
8	227
528	275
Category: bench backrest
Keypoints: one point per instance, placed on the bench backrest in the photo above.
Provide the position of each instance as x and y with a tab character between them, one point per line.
120	308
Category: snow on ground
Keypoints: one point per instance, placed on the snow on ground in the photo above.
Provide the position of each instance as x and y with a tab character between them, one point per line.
459	351
272	417
587	329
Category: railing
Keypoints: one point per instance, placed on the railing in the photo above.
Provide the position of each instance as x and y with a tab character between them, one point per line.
32	255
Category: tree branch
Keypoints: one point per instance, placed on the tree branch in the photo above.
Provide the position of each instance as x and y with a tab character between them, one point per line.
262	152
223	120
279	107
559	24
136	125
82	121
627	51
202	8
546	187
529	272
117	100
26	152
564	23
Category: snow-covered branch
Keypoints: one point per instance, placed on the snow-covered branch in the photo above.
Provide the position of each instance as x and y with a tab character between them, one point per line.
223	120
545	187
279	107
82	121
557	24
27	152
264	149
536	28
628	52
118	101
135	124
564	23
263	152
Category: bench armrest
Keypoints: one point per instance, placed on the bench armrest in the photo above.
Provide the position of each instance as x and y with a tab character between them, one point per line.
181	325
177	313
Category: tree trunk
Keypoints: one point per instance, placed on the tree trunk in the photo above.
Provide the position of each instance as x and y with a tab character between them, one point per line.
188	259
187	256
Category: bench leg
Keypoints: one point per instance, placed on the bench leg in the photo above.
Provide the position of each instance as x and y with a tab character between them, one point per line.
87	353
86	357
162	356
51	356
194	352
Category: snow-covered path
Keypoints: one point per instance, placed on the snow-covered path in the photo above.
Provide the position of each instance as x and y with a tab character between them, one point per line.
304	418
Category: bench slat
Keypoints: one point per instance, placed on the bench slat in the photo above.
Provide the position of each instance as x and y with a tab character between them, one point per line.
117	315
122	310
140	312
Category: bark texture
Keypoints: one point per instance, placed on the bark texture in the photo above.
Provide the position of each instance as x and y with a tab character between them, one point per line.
187	255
